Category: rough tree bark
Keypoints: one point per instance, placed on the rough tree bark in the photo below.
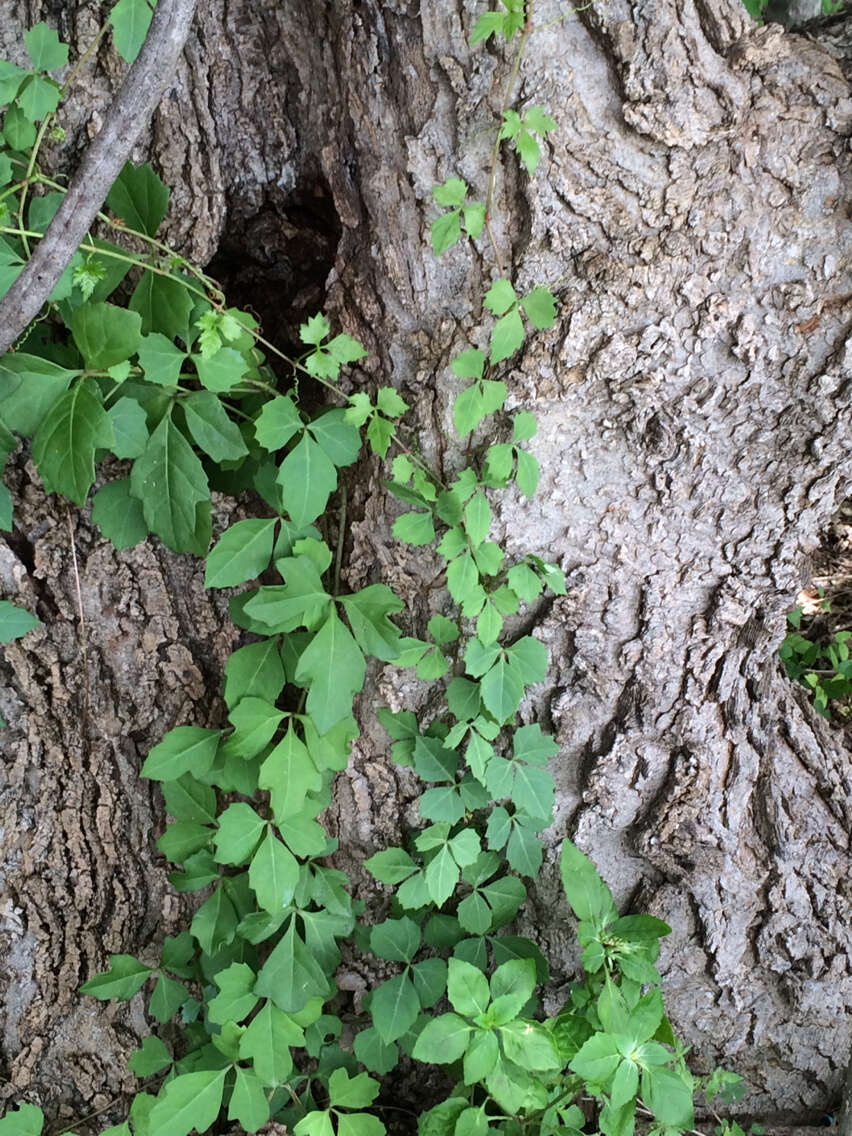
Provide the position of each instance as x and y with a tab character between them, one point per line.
693	402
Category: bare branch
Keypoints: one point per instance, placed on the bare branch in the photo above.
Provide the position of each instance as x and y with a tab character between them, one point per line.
139	94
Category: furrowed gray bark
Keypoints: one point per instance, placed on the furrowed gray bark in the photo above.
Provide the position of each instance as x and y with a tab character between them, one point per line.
126	118
693	401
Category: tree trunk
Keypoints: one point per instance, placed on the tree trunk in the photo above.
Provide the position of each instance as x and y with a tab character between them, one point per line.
693	402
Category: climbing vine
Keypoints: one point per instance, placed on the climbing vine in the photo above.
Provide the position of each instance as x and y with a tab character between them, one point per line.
184	388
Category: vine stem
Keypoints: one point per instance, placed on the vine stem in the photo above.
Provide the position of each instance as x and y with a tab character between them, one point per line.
208	282
495	153
85	1119
45	126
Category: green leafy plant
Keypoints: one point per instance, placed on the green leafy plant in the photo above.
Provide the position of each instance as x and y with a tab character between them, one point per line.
822	664
180	386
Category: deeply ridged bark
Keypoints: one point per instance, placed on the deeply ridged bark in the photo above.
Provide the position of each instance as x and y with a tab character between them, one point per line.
692	400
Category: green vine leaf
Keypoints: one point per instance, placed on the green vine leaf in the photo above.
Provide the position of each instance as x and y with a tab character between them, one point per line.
105	335
277	422
44	48
130	428
273	874
184	749
367	612
160	360
15	622
242	553
290	977
151	1058
307	477
221	371
130	20
139	198
189	1102
170	482
163	304
125	977
64	444
267	1042
333	668
248	1105
289	774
